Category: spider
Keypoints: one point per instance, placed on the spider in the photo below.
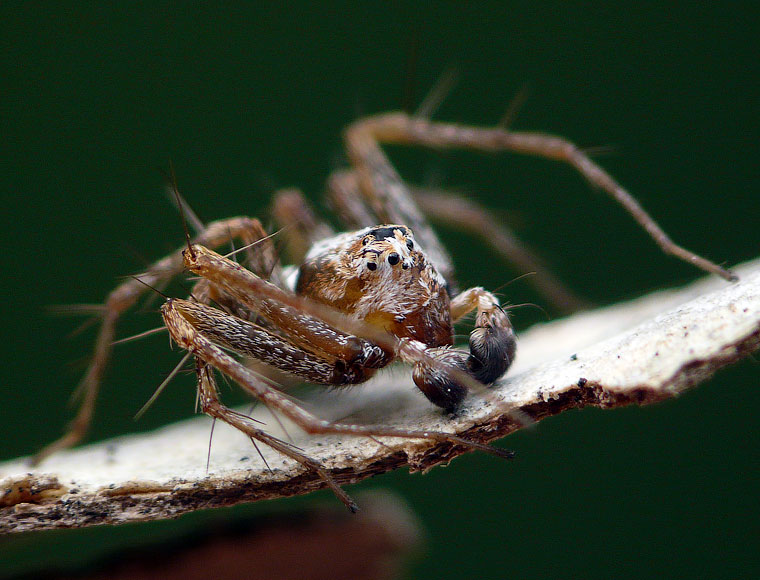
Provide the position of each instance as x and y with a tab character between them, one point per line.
359	300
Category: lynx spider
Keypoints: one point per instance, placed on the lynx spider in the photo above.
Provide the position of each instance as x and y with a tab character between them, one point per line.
360	299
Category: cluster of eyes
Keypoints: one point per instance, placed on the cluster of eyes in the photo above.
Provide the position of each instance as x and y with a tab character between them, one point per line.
393	257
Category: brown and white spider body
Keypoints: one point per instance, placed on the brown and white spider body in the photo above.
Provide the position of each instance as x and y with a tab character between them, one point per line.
381	276
360	300
375	283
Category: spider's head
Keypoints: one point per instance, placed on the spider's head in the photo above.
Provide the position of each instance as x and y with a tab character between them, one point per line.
379	272
386	248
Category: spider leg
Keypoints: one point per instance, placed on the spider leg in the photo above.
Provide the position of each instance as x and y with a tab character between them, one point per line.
301	227
263	345
124	297
345	197
261	256
307	324
467	215
363	137
213	406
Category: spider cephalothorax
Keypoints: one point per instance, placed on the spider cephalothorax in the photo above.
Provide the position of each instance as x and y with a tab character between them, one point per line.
380	275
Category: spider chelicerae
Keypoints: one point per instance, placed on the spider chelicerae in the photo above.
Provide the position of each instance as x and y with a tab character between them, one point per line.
359	300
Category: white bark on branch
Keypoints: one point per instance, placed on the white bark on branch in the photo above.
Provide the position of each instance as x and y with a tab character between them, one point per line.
641	351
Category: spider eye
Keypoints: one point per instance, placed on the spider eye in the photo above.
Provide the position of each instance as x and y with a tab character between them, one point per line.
365	241
393	259
409	244
371	266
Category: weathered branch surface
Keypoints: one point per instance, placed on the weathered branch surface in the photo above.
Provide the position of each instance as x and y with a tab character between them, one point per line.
642	351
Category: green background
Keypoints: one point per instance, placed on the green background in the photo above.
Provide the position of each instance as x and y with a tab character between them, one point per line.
249	98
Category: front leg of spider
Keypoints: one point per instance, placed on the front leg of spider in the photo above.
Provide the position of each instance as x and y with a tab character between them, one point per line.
381	276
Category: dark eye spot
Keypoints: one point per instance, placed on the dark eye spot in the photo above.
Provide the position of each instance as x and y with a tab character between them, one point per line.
409	244
365	241
393	259
372	266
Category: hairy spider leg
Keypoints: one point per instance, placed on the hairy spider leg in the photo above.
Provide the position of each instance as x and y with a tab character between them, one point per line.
345	196
378	178
211	405
465	214
254	340
300	319
303	228
124	297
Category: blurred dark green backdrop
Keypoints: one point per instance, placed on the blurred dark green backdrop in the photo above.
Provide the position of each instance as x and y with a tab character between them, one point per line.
245	99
